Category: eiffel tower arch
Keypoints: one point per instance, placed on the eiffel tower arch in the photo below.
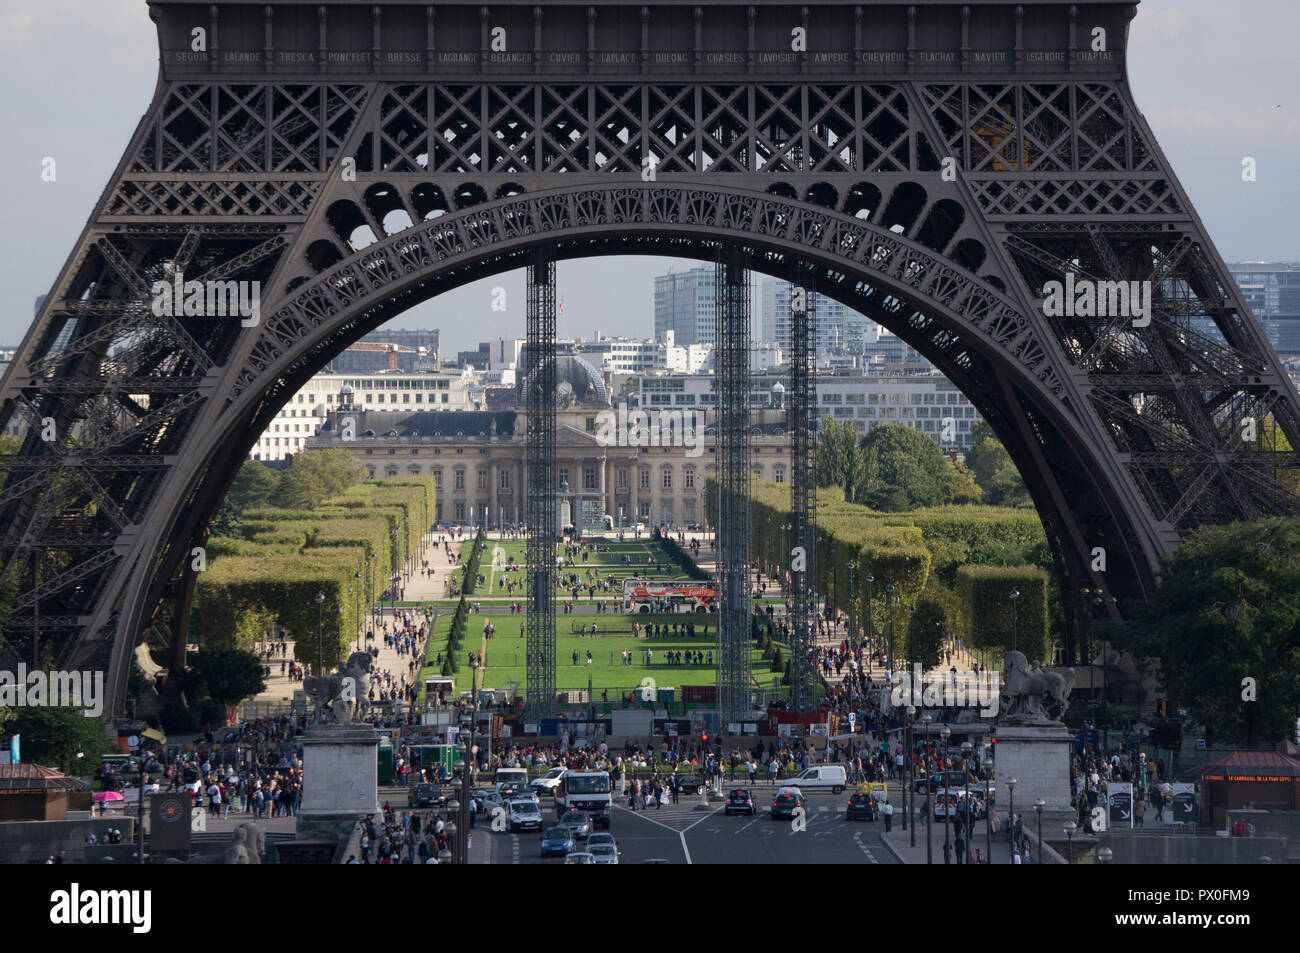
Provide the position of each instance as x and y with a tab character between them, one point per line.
935	166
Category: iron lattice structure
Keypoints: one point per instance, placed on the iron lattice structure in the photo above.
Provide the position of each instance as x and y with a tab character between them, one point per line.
734	526
543	516
803	484
935	164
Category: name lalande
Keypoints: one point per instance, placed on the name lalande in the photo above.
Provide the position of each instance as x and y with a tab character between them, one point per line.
41	689
208	299
639	428
945	690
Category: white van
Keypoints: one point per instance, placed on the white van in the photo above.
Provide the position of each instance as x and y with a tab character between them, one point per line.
825	777
516	776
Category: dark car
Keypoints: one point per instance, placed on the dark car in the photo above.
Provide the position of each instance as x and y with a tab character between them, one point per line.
739	801
690	783
425	795
861	806
509	789
785	802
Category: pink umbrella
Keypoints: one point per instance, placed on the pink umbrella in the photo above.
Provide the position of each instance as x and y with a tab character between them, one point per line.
109	796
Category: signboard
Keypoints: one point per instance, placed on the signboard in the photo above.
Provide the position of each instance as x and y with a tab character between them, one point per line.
1120	796
672	728
1184	802
750	728
818	731
170	821
530	727
733	727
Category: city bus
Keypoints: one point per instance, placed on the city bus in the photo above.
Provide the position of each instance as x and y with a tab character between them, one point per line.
645	596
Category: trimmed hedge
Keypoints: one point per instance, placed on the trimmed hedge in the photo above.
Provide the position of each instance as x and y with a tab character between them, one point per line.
983	614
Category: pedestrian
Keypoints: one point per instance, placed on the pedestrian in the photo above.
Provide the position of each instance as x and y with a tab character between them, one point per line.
960	846
887	810
947	853
1139	811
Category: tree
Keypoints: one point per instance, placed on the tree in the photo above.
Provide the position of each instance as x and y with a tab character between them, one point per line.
315	475
905	469
962	487
994	470
1223	629
227	675
52	736
840	461
926	632
253	486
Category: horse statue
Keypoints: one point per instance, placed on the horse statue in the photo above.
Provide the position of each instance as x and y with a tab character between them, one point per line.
340	698
1024	687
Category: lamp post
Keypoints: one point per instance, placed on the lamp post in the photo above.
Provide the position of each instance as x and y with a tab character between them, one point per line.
871	633
320	635
370	599
1106	855
359	590
1069	828
909	796
889	595
467	774
1011	817
147	764
1013	595
988	814
853	598
1039	804
392	586
944	734
591	702
929	854
965	752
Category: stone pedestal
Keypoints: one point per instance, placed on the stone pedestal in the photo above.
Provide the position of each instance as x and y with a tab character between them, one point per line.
340	779
1038	757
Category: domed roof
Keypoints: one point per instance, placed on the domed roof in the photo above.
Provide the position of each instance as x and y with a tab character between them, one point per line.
778	388
585	382
346	389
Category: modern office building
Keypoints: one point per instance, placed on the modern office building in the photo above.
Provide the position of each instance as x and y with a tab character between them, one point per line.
1272	289
409	356
684	304
839	329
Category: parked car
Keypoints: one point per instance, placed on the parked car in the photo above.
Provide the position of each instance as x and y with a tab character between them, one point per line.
785	802
557	841
523	815
822	777
739	801
861	806
940	779
425	795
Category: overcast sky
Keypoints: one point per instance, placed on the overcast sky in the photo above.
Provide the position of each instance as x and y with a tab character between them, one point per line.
1217	81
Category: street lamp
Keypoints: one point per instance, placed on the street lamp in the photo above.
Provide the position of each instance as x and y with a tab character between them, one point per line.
468	771
148	763
929	781
944	734
591	703
1013	595
853	598
1106	855
1011	817
870	628
1039	804
1069	828
965	757
889	595
320	636
909	806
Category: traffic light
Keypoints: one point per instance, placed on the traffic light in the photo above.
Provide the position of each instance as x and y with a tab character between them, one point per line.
706	738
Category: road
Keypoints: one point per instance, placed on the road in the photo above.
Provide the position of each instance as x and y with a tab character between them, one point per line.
682	833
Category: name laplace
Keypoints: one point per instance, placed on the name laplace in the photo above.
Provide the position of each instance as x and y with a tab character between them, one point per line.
623	58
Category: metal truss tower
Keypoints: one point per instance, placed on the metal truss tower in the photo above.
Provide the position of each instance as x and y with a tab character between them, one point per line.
543	522
731	370
802	399
939	165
